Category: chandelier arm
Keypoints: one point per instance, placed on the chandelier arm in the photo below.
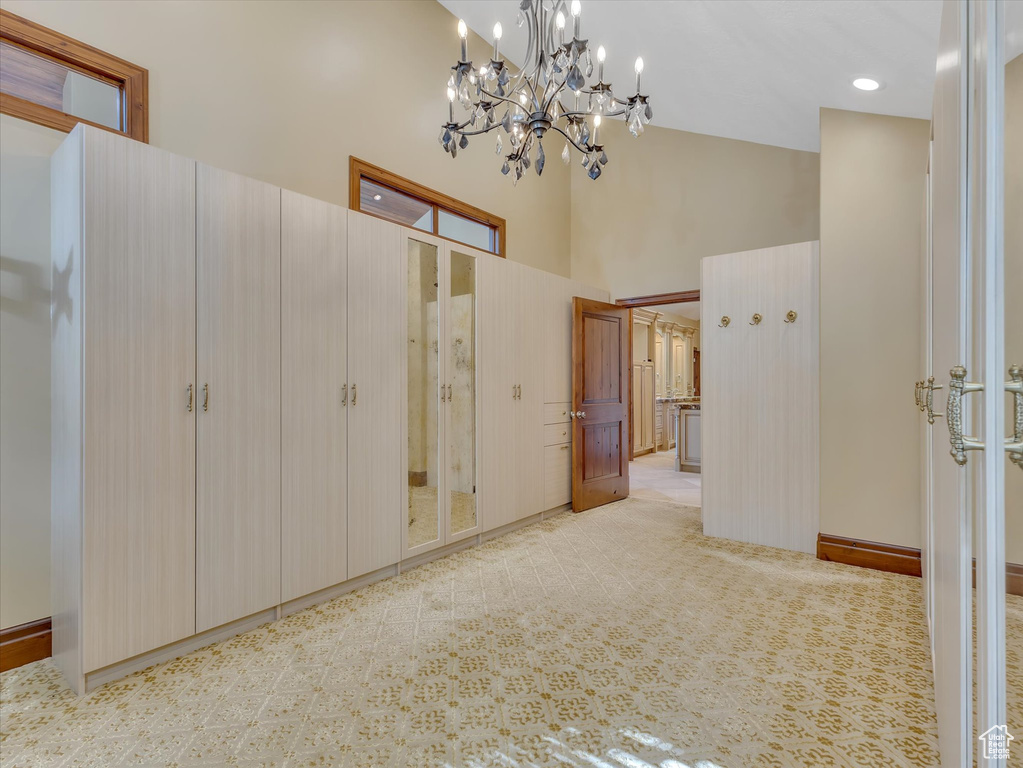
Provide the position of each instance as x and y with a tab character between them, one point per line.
570	140
499	98
479	132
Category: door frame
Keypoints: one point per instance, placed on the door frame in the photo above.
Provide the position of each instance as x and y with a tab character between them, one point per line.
650	300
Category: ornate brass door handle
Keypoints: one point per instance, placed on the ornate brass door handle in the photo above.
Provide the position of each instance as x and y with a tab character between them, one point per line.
956	389
1014	444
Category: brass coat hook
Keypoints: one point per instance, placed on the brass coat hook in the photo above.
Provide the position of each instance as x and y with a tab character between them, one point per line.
790	316
725	320
756	319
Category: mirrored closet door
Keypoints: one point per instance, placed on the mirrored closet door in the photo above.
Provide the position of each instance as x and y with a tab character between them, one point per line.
440	393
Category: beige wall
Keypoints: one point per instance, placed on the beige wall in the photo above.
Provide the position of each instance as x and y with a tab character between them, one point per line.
872	180
285	92
669	198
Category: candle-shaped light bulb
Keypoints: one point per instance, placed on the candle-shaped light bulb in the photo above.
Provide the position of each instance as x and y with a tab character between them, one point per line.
451	105
639	72
596	128
498	31
577	8
559	22
462	32
601	55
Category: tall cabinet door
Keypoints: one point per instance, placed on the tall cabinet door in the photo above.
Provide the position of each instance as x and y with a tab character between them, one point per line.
499	443
314	383
238	468
530	380
376	335
139	439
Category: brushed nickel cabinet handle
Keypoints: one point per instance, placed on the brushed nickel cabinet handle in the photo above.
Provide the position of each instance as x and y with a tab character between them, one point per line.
205	397
344	394
929	400
1014	444
355	394
189	406
958	387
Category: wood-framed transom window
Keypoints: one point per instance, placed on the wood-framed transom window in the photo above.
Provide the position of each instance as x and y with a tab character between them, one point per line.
56	81
386	195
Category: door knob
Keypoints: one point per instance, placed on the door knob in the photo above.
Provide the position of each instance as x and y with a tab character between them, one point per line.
1014	444
958	387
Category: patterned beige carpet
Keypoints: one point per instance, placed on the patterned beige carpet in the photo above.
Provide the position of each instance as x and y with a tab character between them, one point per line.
617	638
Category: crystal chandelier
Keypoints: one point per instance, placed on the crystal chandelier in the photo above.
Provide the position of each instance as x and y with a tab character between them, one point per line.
548	93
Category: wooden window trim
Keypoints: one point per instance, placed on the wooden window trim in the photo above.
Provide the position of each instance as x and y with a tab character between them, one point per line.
357	169
76	55
652	300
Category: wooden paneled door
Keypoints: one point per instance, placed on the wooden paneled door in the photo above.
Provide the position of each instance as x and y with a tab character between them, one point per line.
314	384
138	585
376	338
238	467
600	403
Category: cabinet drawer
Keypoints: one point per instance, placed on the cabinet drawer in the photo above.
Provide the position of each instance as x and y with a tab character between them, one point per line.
556	413
557	475
556	434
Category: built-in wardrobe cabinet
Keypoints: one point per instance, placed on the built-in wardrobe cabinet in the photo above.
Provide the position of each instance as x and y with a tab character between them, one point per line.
241	380
124	399
440	444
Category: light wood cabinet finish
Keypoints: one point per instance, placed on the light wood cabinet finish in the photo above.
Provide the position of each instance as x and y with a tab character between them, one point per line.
314	368
238	472
761	477
556	434
123	437
556	413
529	284
557	474
376	348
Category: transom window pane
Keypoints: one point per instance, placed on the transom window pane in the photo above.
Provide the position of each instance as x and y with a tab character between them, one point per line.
51	84
466	231
390	204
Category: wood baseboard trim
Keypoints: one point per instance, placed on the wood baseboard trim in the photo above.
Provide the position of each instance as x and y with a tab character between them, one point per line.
869	554
1014	579
25	643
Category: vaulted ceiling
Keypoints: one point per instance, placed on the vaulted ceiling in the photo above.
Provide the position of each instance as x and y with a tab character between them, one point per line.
756	70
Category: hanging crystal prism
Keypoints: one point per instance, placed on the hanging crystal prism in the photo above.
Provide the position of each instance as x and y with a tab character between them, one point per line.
463	142
500	145
566	155
539	158
594	171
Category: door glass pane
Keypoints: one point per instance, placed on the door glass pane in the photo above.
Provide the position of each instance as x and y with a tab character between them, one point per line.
466	231
1013	222
423	393
50	84
395	206
462	378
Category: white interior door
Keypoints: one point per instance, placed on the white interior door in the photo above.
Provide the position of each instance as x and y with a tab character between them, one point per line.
314	383
376	335
238	468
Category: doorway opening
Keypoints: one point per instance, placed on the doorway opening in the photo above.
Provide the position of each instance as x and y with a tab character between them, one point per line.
665	440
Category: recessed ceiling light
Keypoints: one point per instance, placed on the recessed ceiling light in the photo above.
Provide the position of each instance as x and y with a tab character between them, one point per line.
866	84
376	197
